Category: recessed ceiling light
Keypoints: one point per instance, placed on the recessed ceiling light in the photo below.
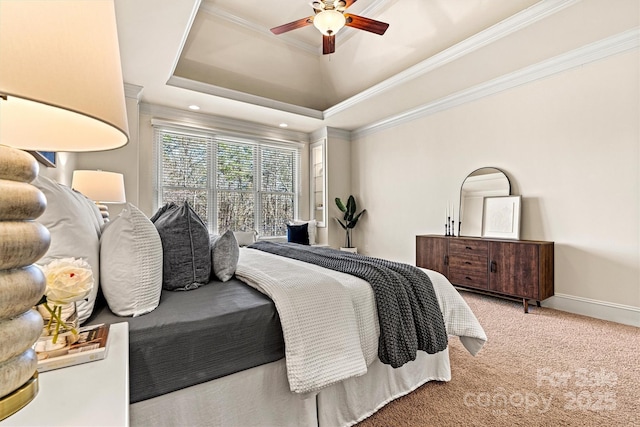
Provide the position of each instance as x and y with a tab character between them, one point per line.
283	125
194	107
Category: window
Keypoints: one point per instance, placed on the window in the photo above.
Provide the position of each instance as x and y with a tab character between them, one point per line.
231	183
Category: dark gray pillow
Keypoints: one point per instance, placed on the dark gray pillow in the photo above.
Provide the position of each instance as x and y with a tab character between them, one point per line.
224	255
185	247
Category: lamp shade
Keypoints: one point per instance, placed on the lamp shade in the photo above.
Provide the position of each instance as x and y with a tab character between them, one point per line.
100	186
60	76
329	22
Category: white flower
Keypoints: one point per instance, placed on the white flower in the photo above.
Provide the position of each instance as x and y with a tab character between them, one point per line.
68	280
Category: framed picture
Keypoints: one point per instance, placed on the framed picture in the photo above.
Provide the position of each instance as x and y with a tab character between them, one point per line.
501	217
47	158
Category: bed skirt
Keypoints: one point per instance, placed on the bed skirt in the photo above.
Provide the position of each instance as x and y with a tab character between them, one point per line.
260	396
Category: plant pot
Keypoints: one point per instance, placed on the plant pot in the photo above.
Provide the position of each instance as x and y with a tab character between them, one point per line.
352	250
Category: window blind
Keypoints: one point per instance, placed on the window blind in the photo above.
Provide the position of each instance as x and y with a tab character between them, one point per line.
231	183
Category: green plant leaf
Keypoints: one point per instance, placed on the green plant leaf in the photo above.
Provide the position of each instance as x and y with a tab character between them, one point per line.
341	224
351	206
340	205
355	219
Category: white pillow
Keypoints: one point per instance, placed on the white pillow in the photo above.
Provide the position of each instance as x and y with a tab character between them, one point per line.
74	230
245	238
131	263
311	228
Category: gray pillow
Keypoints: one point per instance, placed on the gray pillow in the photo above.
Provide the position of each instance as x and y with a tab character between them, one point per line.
186	260
224	255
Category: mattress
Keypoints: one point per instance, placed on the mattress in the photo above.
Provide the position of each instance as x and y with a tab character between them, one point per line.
198	335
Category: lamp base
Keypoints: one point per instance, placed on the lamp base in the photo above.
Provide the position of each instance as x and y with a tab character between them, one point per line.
104	211
19	398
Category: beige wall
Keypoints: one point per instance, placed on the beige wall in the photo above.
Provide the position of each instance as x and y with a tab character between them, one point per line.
570	145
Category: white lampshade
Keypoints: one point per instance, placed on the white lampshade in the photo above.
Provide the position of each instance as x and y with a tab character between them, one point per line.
60	76
100	186
329	22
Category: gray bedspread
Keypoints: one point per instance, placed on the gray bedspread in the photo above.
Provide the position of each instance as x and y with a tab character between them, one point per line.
198	335
408	312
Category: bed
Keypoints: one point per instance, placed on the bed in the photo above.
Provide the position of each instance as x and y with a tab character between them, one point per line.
222	354
216	355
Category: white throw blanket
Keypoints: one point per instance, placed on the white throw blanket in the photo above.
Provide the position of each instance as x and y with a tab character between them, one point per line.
329	319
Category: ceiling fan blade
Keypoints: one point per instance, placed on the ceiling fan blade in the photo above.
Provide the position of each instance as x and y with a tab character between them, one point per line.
292	25
349	3
366	24
328	44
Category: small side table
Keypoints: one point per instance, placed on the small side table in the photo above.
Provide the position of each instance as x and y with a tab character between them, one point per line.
90	394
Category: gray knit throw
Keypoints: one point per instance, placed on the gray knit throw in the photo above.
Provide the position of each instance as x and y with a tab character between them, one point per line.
408	312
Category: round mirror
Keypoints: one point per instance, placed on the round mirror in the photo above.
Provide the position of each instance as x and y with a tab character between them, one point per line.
480	183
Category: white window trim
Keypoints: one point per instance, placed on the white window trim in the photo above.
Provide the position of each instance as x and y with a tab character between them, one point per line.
159	125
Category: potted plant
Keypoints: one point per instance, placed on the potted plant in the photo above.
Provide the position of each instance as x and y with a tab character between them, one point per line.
349	219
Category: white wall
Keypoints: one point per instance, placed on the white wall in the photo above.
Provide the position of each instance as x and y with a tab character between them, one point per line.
570	145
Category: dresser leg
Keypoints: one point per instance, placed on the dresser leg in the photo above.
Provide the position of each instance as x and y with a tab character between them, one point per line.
538	303
525	302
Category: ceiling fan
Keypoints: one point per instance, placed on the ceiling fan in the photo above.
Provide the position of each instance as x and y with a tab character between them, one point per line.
329	18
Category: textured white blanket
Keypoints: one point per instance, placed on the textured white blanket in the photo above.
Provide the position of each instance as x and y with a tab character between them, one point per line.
327	325
329	319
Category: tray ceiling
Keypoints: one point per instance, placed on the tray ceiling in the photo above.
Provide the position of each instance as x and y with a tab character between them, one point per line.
221	55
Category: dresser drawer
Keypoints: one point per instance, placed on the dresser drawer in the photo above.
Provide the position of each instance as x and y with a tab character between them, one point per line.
469	247
469	264
474	280
468	269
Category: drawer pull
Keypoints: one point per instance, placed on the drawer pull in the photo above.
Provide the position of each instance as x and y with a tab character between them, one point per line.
468	262
469	248
493	267
468	278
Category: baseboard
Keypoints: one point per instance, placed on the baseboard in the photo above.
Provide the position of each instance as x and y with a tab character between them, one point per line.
618	313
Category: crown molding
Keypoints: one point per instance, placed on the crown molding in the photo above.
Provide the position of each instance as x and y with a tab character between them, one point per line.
500	30
133	91
223	92
338	133
619	43
222	124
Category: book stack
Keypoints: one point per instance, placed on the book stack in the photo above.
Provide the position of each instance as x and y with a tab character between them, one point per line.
89	345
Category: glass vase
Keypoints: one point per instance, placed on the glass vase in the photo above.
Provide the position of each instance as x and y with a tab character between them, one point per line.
60	329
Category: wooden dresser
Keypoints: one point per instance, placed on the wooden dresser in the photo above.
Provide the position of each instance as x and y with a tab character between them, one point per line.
512	268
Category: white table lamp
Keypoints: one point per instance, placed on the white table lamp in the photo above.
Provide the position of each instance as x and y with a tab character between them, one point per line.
100	186
61	89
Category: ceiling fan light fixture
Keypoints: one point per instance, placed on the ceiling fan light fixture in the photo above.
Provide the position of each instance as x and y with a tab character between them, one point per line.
329	22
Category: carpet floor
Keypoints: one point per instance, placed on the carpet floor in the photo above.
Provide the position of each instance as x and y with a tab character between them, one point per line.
544	368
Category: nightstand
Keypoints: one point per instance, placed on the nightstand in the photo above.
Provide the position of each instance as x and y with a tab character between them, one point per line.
90	394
